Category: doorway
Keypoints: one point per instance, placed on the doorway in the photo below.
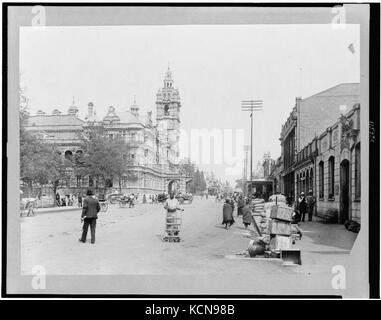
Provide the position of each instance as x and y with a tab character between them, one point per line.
344	191
173	186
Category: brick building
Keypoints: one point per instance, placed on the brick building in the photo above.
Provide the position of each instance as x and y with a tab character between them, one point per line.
320	110
309	117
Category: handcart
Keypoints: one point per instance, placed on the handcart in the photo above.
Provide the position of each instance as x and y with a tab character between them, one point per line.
173	226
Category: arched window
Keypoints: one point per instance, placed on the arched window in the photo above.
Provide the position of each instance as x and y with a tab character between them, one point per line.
357	172
68	155
331	177
321	179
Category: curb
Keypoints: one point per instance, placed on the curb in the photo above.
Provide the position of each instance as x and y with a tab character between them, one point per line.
52	210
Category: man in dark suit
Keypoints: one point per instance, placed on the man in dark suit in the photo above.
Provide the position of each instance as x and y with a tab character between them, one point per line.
89	216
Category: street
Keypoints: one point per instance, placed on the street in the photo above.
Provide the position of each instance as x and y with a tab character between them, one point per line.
128	242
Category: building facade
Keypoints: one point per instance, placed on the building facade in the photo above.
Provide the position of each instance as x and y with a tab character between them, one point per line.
309	117
338	168
154	151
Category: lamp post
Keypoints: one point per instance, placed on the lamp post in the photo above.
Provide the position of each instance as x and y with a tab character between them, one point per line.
251	106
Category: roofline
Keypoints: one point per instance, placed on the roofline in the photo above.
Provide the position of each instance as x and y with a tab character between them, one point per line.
340	84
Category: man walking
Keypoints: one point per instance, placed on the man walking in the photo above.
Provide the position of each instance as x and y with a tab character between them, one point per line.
310	204
89	216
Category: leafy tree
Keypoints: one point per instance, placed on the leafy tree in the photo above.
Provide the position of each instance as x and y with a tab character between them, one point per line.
103	157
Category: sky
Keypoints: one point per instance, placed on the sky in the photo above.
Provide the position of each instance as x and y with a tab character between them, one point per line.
214	67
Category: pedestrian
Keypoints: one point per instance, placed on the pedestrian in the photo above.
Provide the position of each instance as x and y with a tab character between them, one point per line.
144	198
58	199
131	202
172	205
232	204
80	200
310	199
89	216
241	204
300	207
30	207
246	214
227	214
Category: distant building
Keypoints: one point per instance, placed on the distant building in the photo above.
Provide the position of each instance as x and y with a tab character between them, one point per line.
154	147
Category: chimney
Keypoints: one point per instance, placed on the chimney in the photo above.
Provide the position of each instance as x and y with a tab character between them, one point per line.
90	109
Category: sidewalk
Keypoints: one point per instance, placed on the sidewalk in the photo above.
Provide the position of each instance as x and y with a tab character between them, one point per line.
323	246
56	209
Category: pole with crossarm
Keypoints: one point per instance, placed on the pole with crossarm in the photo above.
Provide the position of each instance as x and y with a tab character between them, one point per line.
251	106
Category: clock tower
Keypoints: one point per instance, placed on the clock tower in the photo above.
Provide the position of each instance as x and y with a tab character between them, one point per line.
168	118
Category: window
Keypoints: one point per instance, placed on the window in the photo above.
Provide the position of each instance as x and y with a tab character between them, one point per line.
166	110
311	180
91	181
321	180
357	172
331	177
79	181
146	153
68	155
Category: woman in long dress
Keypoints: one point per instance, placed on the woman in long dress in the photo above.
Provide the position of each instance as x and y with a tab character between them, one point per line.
246	215
227	211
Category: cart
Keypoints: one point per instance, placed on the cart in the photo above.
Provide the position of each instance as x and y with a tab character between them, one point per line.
123	202
172	226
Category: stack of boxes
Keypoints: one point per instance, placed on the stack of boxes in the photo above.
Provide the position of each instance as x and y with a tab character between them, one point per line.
280	228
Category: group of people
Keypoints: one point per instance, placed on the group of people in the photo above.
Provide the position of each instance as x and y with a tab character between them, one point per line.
69	200
243	209
304	204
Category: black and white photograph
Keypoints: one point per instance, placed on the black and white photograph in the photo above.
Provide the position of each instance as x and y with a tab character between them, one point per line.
188	150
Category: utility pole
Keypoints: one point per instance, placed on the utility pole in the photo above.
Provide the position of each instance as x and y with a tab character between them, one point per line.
246	148
251	106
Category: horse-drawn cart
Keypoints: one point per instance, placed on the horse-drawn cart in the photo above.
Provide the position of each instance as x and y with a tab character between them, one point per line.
124	202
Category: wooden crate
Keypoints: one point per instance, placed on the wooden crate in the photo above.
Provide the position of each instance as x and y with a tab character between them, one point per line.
278	242
281	212
280	227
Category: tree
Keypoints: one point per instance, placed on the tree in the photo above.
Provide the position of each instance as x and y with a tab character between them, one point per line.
103	157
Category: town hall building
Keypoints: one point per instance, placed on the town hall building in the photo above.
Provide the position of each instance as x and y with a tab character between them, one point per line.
154	147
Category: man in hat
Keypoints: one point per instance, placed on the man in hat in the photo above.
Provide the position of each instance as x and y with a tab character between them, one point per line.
300	207
89	216
310	200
